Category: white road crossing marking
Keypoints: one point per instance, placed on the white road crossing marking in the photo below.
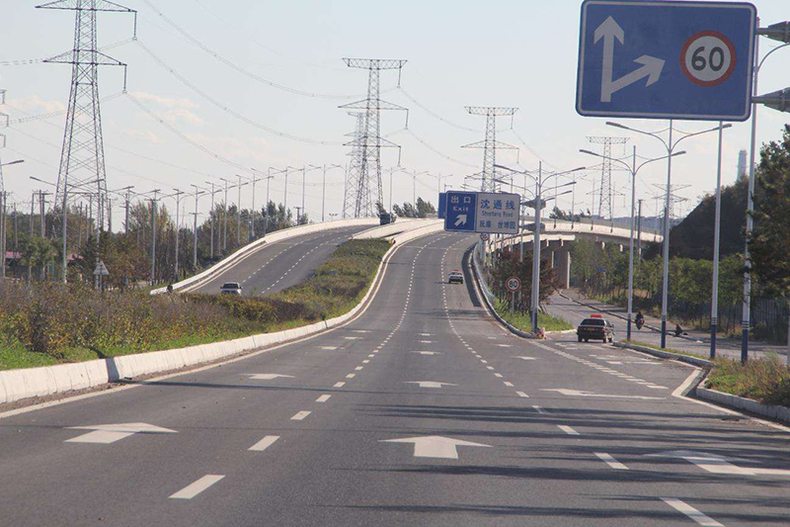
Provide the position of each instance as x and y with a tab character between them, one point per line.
430	384
324	398
105	434
299	416
609	460
568	430
264	443
580	393
435	446
339	384
720	464
691	512
190	491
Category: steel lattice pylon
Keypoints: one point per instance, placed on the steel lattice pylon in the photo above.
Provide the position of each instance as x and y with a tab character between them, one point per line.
490	144
606	199
82	156
354	188
367	190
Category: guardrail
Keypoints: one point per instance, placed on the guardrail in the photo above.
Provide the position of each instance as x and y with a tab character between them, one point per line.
283	234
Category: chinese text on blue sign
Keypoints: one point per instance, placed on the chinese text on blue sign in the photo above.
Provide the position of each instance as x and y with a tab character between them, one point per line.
482	212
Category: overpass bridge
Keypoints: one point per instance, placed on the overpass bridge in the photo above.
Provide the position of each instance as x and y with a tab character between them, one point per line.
556	237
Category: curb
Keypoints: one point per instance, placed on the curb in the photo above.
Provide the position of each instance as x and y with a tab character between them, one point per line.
16	385
778	413
701	363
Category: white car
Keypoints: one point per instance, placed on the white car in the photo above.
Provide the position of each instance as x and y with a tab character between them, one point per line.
455	276
230	288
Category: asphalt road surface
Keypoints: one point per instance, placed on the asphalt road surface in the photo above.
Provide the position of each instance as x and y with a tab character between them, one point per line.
694	342
278	265
422	411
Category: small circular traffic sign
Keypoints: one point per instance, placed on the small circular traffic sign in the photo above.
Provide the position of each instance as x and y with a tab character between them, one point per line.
484	236
708	58
513	284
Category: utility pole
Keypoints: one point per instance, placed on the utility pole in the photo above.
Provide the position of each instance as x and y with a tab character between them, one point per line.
368	189
198	192
154	213
30	225
225	219
3	200
41	204
212	215
639	229
178	229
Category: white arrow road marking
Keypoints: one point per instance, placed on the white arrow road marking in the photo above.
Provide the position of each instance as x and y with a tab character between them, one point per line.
435	446
525	358
428	352
691	512
609	460
580	393
264	443
461	220
651	68
430	384
104	434
721	465
190	491
568	430
267	376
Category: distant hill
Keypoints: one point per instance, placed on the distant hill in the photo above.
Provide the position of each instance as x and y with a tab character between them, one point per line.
693	237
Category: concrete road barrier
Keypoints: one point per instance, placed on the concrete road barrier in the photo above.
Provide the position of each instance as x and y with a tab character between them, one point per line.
49	380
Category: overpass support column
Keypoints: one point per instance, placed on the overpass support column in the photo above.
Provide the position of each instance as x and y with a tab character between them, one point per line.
562	265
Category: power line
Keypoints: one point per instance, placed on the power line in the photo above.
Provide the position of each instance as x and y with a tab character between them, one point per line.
238	68
228	110
28	62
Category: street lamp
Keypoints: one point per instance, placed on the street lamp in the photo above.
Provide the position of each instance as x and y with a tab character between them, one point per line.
3	199
323	191
539	203
198	192
633	168
670	148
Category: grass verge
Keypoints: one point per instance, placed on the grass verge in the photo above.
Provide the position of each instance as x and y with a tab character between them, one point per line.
523	322
659	348
767	380
52	323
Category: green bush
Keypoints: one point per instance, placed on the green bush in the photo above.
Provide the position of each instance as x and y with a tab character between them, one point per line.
767	381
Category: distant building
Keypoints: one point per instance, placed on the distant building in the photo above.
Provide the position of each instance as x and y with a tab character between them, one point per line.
742	172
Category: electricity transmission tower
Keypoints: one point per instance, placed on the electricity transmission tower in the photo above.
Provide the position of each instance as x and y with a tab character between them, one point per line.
366	190
351	193
605	198
82	155
490	144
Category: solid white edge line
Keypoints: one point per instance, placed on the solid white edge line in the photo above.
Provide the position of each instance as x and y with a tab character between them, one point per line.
691	512
193	489
264	443
609	460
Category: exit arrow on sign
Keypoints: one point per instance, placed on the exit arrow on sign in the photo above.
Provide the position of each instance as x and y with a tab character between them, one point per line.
461	220
435	446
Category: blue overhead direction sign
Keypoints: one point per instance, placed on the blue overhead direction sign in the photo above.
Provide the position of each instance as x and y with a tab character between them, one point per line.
442	205
498	213
666	59
460	211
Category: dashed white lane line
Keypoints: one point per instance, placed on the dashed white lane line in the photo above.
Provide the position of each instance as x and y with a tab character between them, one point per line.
522	394
365	361
489	367
358	368
264	443
324	398
328	347
691	512
539	409
568	430
498	375
192	490
609	460
299	416
339	384
351	375
352	338
504	345
508	383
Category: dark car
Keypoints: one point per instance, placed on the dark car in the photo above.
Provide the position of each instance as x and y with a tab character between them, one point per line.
385	218
596	328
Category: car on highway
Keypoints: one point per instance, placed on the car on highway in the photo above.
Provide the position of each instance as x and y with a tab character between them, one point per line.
595	327
230	288
456	276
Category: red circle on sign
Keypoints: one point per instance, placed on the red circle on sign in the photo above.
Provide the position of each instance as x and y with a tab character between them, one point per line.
693	38
513	284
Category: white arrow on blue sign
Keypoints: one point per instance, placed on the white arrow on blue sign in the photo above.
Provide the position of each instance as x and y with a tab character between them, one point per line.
666	59
460	211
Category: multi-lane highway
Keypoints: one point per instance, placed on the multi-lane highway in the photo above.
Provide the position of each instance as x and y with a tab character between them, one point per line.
281	264
422	411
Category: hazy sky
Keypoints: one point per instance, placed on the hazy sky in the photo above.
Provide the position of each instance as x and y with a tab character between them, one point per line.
497	53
